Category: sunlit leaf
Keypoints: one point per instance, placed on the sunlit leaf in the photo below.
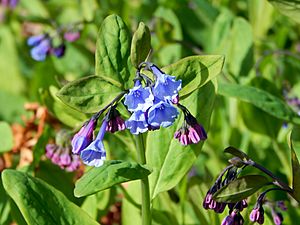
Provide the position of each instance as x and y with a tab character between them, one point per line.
169	159
113	52
290	8
195	71
140	45
240	189
88	94
111	173
6	137
40	203
261	99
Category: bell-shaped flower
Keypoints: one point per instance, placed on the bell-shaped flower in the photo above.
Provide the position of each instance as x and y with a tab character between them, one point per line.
137	123
166	87
59	51
40	51
139	98
84	137
162	114
35	40
94	154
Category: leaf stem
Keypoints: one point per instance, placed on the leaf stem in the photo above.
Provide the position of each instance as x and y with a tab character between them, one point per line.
146	212
276	181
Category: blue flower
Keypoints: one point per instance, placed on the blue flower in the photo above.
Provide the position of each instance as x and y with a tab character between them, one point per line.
162	114
94	154
139	98
137	123
40	51
84	137
35	40
166	87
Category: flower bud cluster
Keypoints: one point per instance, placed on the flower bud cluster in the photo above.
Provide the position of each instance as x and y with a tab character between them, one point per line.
60	153
43	45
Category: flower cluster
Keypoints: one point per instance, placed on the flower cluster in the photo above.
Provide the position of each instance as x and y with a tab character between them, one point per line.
90	149
43	44
60	152
9	3
235	217
152	104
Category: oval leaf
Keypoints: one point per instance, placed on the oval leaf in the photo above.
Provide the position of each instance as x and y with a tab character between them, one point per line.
111	173
113	51
240	188
261	99
140	45
195	71
40	203
88	94
290	8
6	137
169	159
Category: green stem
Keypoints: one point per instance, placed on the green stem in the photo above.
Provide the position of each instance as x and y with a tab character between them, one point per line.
146	212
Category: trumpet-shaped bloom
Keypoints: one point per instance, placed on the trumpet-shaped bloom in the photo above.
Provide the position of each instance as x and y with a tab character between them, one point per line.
40	51
94	154
166	87
84	137
137	123
139	98
162	114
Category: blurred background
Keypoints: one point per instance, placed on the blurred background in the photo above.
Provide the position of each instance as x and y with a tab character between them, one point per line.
261	47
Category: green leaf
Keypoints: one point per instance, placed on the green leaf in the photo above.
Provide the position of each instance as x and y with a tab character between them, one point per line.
290	8
6	137
88	94
237	153
40	203
62	112
140	45
113	52
240	188
195	71
111	173
169	159
295	135
261	99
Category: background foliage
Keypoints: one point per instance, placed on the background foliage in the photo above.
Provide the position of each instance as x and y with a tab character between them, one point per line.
246	106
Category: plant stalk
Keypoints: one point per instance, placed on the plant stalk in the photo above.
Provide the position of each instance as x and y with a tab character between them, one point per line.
146	212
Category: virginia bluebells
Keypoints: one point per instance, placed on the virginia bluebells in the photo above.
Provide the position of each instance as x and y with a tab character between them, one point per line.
60	152
115	121
94	154
43	44
84	137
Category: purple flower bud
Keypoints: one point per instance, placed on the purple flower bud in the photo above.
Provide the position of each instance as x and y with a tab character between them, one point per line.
75	163
115	122
94	154
84	137
50	149
59	51
13	3
257	215
228	220
277	217
281	205
71	36
65	159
